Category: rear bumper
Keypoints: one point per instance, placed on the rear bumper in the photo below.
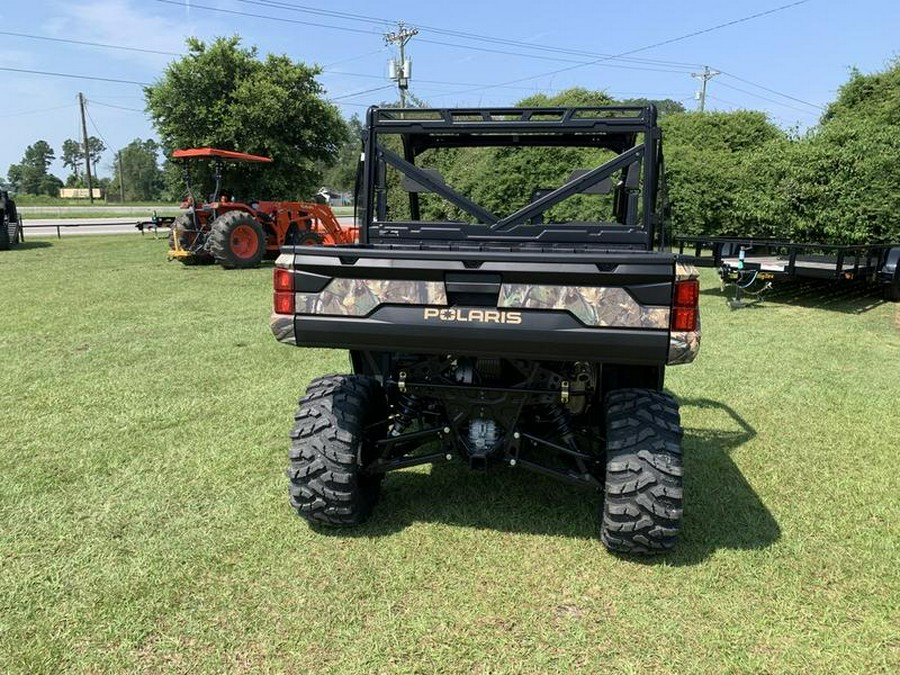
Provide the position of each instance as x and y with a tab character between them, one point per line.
551	336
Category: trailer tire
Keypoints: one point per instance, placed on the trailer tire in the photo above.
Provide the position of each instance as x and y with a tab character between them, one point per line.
333	439
237	240
642	503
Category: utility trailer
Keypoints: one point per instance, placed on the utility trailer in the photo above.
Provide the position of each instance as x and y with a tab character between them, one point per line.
752	266
534	339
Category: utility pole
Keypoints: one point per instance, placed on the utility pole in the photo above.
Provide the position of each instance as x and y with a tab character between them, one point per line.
401	71
704	77
87	150
121	178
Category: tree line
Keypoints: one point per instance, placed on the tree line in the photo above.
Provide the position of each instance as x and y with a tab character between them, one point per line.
136	174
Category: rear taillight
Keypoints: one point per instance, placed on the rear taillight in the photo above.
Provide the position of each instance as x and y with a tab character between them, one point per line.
685	311
284	280
284	291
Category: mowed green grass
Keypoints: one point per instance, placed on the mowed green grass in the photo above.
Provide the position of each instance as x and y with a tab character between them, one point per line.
144	523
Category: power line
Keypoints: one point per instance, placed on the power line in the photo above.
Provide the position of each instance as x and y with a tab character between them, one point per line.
657	44
353	58
766	98
73	76
772	91
306	9
87	110
294	7
222	10
577	63
36	112
360	93
86	43
117	107
183	3
532	88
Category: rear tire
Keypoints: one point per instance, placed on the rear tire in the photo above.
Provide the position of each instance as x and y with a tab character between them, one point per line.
642	504
237	240
308	238
333	440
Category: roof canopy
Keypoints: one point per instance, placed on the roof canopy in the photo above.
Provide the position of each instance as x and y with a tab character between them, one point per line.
223	154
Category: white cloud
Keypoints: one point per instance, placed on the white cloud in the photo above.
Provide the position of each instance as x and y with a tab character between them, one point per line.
128	23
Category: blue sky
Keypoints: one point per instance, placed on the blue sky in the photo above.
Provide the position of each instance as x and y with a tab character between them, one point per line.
466	53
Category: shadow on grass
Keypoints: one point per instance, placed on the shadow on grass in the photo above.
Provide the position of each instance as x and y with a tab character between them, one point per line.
25	245
848	297
722	509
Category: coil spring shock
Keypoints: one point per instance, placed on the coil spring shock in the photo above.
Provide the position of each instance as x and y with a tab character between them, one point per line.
408	406
560	417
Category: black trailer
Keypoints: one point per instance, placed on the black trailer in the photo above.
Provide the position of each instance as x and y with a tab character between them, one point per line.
752	266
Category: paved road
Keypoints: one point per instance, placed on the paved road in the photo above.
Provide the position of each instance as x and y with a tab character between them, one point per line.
99	212
42	228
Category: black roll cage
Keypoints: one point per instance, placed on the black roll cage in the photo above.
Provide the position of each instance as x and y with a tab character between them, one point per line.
613	128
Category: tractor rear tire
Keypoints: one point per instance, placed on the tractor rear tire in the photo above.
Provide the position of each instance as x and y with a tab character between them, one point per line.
183	228
642	504
332	441
308	238
237	240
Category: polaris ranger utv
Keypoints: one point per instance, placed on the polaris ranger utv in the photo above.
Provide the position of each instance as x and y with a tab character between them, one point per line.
535	338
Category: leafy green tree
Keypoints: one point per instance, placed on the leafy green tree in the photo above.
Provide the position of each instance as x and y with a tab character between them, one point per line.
707	156
849	163
342	176
138	166
49	185
223	95
848	173
875	96
31	175
73	158
576	96
665	106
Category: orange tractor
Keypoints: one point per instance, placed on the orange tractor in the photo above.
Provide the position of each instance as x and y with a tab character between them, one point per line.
237	234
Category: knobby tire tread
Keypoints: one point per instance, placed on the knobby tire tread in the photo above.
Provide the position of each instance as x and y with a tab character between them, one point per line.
219	240
327	486
643	500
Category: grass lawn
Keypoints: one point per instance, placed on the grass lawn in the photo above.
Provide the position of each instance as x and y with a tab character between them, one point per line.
144	523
